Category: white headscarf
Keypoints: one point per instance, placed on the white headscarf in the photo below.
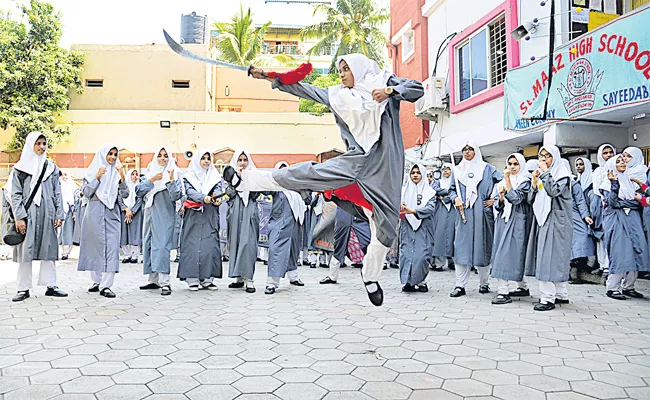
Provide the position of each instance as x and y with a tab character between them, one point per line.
68	191
108	184
130	201
470	174
586	178
251	166
203	180
153	168
515	180
355	106
532	165
411	192
636	167
558	170
445	183
627	187
298	206
32	164
599	176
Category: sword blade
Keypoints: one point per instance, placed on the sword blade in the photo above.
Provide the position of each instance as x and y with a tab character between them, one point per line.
180	50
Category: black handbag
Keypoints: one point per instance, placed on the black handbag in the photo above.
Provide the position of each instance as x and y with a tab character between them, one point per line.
13	237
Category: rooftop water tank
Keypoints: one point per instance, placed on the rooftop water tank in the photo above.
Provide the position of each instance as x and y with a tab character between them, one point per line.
194	28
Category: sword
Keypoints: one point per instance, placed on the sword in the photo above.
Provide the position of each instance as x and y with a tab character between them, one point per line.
180	50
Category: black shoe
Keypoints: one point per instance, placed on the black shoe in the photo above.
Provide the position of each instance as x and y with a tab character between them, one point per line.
597	271
269	290
236	285
266	263
166	290
126	261
312	265
224	259
209	286
359	265
423	288
55	292
376	297
323	265
177	259
616	295
20	296
250	289
501	299
451	267
457	292
327	280
394	266
297	283
544	307
385	267
519	292
437	269
94	288
484	289
106	292
258	260
562	301
133	260
231	176
150	286
408	288
633	293
63	258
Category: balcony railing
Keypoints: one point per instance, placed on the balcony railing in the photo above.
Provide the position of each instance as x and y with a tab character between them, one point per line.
292	50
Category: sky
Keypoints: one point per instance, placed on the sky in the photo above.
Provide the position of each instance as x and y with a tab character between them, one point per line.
142	21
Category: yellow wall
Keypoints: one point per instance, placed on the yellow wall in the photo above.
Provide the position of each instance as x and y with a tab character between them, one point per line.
139	131
139	77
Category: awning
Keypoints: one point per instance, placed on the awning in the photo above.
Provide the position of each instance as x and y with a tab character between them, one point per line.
602	75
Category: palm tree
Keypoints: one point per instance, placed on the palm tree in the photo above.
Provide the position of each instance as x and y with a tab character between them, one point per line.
239	42
352	25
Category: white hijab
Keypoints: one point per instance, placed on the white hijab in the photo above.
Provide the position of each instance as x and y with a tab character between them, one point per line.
251	167
411	192
203	180
532	165
626	186
515	180
636	167
68	191
599	176
32	164
558	170
470	174
445	183
153	168
130	201
298	206
108	184
355	106
586	178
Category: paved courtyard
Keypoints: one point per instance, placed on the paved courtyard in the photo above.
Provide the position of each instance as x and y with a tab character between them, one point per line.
316	342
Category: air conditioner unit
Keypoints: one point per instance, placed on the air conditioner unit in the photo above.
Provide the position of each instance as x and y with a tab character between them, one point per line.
432	104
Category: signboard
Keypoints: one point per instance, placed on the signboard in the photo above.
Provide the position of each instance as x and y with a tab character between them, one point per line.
602	70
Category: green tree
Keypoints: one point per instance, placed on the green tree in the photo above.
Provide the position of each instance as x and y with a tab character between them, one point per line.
353	26
239	42
35	73
322	81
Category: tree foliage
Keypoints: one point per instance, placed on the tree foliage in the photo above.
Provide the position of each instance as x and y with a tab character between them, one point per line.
322	81
352	26
239	42
35	73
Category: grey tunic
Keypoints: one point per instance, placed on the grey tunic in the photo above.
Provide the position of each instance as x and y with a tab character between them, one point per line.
159	226
583	243
41	242
624	237
511	238
549	247
243	234
343	225
200	246
79	209
284	243
415	246
443	223
596	210
473	240
132	233
378	172
99	249
66	233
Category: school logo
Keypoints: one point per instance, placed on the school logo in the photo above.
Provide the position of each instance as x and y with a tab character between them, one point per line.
579	93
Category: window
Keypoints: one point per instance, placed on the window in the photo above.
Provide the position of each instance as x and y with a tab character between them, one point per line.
180	84
94	82
408	45
482	60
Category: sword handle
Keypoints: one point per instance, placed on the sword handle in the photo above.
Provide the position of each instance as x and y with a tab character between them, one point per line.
250	69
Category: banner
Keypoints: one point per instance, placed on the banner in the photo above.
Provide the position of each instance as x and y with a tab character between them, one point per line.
602	70
323	236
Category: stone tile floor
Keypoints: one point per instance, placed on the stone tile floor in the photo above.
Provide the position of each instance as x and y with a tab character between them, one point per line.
316	342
